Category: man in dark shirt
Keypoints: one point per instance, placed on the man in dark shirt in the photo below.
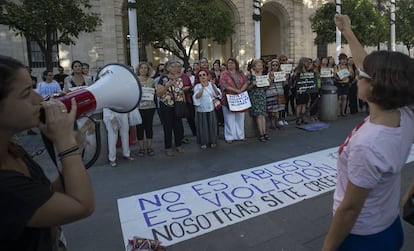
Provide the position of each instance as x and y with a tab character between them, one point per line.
60	77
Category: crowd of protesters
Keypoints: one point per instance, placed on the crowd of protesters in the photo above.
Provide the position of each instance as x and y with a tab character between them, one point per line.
276	88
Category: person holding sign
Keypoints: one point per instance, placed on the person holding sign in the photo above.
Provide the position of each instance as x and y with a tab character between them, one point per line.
146	108
367	196
303	78
257	93
326	73
343	75
233	82
275	98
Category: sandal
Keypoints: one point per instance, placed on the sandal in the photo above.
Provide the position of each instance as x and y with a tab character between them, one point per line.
150	152
266	137
262	138
141	152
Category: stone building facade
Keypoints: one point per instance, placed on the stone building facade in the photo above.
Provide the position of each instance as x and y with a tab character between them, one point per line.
285	29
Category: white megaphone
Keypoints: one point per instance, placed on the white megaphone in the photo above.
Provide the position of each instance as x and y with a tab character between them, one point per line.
116	88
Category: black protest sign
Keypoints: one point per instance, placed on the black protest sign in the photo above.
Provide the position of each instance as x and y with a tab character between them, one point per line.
306	83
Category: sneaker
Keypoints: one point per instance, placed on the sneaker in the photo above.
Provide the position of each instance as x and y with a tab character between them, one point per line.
213	145
203	146
280	123
113	163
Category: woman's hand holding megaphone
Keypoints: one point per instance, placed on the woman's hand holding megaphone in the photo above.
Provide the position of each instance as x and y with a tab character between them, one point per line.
58	126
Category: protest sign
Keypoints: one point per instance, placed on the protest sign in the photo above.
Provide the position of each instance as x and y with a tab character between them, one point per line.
262	81
306	83
238	102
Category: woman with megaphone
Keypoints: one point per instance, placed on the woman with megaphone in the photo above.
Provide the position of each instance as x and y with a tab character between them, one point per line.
32	205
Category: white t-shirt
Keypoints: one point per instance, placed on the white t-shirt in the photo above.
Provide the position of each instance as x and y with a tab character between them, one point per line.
205	102
372	157
45	88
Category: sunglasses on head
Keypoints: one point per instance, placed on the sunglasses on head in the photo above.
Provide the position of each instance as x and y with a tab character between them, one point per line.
362	74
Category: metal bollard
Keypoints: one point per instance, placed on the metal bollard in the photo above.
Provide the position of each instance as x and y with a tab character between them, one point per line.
329	103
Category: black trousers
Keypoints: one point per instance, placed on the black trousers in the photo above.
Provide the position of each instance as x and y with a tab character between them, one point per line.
353	98
171	124
191	119
147	116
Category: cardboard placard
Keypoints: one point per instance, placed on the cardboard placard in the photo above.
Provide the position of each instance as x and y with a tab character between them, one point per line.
343	73
147	93
279	76
238	102
326	72
262	81
286	67
306	83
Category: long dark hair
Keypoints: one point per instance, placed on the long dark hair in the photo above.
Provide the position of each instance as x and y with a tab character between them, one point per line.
8	71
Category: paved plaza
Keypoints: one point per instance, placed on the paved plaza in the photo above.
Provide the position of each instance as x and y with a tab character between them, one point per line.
298	227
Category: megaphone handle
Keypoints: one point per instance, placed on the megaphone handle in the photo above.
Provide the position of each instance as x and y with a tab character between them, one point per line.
85	101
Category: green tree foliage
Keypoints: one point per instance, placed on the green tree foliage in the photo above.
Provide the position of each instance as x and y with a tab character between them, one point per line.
176	25
39	20
404	23
367	22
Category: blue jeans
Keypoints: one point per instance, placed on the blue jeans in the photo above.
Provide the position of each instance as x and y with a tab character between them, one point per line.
391	239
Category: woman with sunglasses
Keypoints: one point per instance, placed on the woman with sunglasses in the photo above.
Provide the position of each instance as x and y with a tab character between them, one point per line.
367	196
204	93
275	98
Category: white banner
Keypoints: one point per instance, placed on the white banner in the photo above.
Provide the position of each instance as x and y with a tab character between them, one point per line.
262	81
182	212
238	102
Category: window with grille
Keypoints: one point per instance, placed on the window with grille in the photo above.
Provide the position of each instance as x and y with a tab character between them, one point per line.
36	58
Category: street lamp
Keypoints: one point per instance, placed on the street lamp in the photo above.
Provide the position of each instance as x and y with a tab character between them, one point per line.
338	33
392	25
133	32
257	11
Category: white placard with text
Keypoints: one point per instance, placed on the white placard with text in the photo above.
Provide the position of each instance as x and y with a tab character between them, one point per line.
279	76
262	81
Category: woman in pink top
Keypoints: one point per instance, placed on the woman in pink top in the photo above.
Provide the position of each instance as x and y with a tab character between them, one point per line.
232	81
366	200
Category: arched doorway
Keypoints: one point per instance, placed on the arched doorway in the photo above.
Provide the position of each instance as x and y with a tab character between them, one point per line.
274	30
